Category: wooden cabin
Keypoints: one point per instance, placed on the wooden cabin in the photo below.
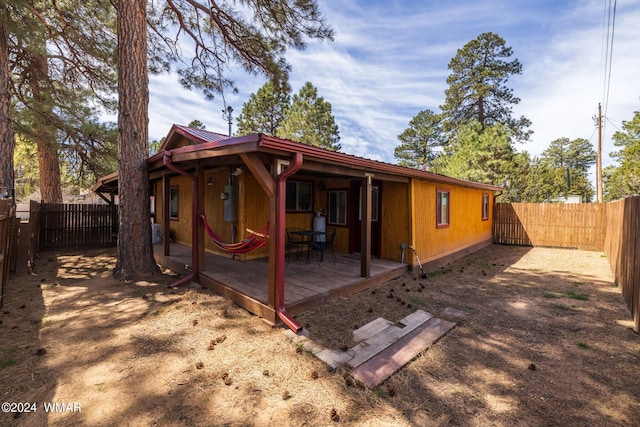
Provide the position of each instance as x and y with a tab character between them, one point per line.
380	212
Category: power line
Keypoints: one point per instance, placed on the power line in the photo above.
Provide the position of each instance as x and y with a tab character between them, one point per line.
613	124
609	22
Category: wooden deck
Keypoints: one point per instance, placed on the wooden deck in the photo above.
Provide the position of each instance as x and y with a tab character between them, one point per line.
307	285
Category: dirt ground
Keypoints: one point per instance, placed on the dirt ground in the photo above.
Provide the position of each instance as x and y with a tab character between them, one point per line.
543	339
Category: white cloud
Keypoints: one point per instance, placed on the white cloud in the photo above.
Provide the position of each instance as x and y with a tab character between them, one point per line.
562	87
389	61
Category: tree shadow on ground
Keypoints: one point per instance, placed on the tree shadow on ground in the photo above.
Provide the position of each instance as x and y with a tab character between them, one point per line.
531	350
543	343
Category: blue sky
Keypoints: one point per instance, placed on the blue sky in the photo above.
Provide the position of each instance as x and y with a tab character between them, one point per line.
389	61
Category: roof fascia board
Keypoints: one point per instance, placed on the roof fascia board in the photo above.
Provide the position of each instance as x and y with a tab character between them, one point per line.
370	166
346	170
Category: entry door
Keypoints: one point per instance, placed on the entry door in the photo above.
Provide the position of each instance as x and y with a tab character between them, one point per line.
355	216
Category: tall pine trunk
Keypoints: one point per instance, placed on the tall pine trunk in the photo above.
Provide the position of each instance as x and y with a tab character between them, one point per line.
49	164
135	251
7	141
45	135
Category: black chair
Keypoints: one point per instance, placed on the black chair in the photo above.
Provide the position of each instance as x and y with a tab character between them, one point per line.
295	243
321	246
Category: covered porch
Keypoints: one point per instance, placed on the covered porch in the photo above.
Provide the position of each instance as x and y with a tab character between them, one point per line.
307	285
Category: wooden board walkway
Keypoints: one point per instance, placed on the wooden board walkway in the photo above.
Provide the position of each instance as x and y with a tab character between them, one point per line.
383	347
384	364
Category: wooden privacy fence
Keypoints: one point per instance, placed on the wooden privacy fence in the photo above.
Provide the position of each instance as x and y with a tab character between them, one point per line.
578	226
612	228
73	226
622	246
7	217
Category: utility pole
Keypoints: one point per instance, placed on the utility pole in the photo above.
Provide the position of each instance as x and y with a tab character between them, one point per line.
599	158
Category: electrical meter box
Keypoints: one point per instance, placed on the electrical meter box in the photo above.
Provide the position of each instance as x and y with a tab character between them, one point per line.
230	203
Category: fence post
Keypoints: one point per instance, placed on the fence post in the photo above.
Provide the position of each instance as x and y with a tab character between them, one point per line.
7	215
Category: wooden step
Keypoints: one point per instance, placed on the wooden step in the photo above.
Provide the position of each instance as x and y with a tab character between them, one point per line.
381	366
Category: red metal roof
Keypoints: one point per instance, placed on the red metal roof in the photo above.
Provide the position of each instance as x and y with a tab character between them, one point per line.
205	140
210	140
368	164
199	135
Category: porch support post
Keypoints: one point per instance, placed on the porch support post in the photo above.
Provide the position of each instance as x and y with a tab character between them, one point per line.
166	222
365	233
280	219
268	183
199	226
273	252
275	185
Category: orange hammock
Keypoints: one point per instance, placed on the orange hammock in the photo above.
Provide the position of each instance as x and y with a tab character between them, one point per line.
256	239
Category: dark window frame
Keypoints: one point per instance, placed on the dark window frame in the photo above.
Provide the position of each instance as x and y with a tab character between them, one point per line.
375	204
174	206
443	222
485	206
345	194
298	208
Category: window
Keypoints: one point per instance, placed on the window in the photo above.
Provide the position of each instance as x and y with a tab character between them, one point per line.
374	204
299	196
173	203
337	207
442	200
485	207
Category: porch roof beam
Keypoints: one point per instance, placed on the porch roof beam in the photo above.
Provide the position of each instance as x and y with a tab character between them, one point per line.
333	169
103	197
257	168
192	153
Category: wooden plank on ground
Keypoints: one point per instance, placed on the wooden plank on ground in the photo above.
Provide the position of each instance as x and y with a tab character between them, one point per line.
377	369
365	350
370	329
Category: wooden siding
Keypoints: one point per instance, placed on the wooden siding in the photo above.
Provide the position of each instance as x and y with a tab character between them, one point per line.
215	181
396	220
320	202
466	228
622	247
180	228
579	226
253	210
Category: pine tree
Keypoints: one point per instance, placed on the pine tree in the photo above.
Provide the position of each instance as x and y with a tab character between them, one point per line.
62	61
265	111
477	87
7	140
568	162
253	35
135	251
477	92
310	120
196	124
623	179
478	153
419	140
256	39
